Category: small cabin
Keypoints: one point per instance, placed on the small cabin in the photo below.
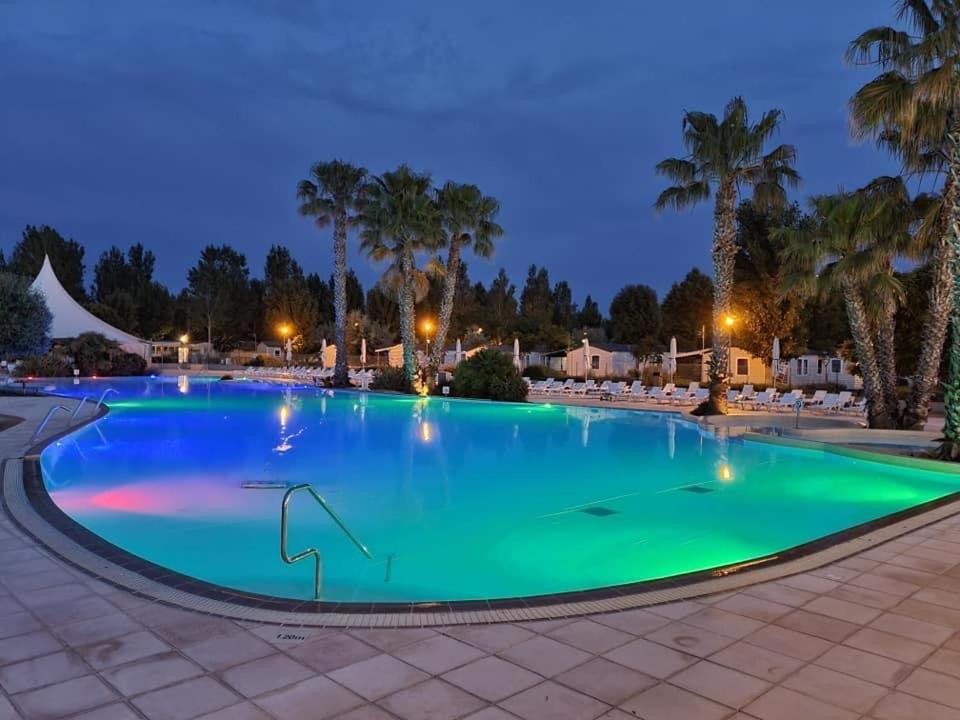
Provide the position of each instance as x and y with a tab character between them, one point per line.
812	368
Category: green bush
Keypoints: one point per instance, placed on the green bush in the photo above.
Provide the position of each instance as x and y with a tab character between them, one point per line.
491	375
541	372
52	365
125	364
391	379
24	319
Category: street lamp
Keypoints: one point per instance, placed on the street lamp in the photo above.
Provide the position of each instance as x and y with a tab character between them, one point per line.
285	331
729	320
427	327
183	352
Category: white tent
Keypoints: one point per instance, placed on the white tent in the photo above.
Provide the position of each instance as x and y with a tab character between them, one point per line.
70	318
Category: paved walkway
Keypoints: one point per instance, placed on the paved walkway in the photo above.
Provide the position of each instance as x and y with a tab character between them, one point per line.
874	636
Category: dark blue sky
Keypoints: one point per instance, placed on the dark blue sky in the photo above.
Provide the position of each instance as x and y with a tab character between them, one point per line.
188	122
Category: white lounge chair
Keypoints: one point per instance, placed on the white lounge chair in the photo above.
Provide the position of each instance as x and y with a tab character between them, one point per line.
857	408
637	391
817	398
762	400
831	402
560	388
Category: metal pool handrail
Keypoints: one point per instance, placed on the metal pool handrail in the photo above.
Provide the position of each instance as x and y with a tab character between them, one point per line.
102	396
79	407
302	555
46	419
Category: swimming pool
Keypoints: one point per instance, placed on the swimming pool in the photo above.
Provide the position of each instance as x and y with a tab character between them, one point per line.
456	500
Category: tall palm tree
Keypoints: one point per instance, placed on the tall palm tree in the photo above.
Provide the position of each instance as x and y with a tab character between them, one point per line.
724	157
399	220
468	219
847	247
914	104
332	194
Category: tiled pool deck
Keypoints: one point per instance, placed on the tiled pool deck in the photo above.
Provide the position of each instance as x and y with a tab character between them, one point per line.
876	635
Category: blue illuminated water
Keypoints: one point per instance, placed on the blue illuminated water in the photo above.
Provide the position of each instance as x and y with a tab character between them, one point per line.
468	499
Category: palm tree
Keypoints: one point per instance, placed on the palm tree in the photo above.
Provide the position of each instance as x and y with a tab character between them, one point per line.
332	194
849	247
468	219
726	156
400	219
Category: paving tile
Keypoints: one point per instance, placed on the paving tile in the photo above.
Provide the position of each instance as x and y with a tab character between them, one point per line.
650	658
781	594
372	712
116	711
754	607
43	670
605	680
18	624
676	610
122	649
783	704
185	700
891	646
240	711
936	614
944	661
863	596
316	697
789	642
438	654
64	699
591	636
378	676
221	652
489	713
821	626
666	702
106	627
938	597
933	686
636	622
550	701
723	622
431	700
151	673
388	640
912	628
757	661
864	665
835	572
330	652
810	583
492	678
888	585
721	684
264	674
899	706
690	639
70	611
26	646
836	688
545	656
842	610
492	638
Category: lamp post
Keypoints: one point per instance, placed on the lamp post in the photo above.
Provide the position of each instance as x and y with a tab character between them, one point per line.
729	320
427	327
183	351
285	331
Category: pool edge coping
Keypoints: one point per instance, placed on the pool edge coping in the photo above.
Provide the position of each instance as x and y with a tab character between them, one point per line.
801	558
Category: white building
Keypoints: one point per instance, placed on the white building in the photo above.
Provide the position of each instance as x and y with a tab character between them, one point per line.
606	360
815	369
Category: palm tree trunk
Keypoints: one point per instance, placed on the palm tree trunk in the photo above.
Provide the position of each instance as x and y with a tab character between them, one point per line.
877	416
724	255
887	359
446	304
939	302
340	299
950	447
407	320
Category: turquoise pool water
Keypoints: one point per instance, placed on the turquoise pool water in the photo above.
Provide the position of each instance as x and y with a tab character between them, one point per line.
464	499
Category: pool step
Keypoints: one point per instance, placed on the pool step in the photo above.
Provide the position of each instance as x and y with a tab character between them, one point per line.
263	485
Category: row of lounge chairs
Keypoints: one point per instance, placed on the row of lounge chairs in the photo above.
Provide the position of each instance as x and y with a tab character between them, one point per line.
821	401
358	378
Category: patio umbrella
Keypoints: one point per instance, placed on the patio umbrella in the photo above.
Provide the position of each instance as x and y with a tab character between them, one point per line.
672	358
516	353
458	357
775	365
323	354
289	349
363	351
586	356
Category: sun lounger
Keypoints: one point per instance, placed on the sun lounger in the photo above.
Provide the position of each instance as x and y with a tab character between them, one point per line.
817	398
636	392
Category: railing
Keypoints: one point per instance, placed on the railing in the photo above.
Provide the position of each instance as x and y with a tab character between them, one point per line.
46	419
78	408
102	396
302	555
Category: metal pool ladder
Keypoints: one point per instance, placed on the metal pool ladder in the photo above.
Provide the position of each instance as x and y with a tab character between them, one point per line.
290	559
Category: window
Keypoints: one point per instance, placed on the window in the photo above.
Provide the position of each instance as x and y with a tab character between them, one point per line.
803	366
836	366
594	362
743	366
819	366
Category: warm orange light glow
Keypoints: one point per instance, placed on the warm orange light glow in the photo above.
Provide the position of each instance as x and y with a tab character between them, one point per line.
427	326
284	330
284	415
184	338
426	432
729	320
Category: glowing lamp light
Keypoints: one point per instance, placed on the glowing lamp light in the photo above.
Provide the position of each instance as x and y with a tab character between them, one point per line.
284	414
426	432
284	330
427	326
725	473
729	320
184	338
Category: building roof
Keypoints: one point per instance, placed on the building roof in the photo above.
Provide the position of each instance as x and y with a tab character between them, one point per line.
70	318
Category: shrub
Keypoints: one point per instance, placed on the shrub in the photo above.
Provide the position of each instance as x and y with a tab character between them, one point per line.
541	372
24	320
489	374
52	365
125	364
391	379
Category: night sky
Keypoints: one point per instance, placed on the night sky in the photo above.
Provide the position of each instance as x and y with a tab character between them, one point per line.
183	123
